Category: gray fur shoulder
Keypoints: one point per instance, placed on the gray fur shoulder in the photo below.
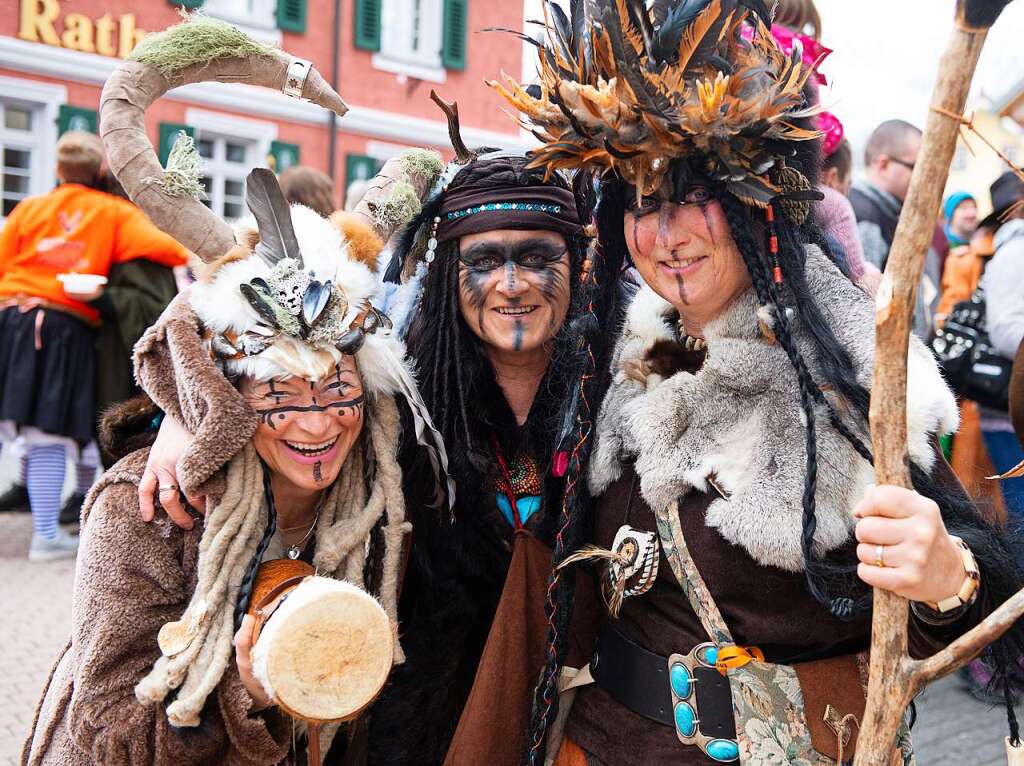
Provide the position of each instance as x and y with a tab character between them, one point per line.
739	420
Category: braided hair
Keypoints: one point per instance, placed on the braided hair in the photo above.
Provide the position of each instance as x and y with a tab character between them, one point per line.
602	302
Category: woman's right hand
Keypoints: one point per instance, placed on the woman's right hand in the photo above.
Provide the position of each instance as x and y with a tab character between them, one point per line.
160	479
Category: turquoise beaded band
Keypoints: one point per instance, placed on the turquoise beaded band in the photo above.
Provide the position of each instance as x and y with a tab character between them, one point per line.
534	207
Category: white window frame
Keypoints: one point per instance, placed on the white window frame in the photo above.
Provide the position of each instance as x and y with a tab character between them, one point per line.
45	100
221	128
259	23
396	53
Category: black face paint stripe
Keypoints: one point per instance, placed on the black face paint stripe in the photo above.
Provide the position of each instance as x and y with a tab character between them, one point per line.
268	413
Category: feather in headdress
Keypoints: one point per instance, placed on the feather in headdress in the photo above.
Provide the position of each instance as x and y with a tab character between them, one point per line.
627	86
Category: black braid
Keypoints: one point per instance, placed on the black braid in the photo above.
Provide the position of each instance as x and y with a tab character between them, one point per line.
760	274
590	351
245	591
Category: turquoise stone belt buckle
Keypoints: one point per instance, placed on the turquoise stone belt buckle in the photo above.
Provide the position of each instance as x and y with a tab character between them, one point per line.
684	672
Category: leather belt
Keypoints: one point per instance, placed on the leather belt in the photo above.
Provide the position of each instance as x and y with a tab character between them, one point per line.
639	680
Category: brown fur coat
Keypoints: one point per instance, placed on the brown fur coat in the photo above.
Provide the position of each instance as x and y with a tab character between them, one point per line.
132	578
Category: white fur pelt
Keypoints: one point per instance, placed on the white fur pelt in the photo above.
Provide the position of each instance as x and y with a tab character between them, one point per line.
739	418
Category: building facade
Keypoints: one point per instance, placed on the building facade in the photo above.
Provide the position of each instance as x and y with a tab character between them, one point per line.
385	56
975	166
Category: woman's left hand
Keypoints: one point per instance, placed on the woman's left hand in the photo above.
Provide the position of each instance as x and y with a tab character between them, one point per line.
920	561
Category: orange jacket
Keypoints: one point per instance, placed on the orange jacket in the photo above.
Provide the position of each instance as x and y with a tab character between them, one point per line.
962	272
75	228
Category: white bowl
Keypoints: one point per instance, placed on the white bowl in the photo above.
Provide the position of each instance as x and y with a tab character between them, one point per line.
81	283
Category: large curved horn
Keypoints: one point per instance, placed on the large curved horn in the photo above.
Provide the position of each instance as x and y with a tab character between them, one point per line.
198	50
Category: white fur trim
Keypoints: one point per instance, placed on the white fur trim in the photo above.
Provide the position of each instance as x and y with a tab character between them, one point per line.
221	307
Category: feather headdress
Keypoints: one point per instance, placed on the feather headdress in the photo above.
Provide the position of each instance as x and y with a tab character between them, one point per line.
626	88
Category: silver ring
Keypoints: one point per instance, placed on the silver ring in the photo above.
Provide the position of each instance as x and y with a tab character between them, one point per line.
168	487
879	556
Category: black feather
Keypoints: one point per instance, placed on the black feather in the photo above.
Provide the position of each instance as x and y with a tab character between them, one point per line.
678	18
259	304
981	14
266	201
759	9
629	62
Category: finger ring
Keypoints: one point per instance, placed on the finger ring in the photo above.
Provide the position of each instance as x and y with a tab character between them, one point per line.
168	487
879	553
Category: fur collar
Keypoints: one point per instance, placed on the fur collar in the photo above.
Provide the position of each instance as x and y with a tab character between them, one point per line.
739	420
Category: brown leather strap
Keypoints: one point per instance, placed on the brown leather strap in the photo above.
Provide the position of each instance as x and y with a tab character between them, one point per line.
313	751
269	603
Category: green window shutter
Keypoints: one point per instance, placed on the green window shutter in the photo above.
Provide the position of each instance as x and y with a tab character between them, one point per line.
453	47
186	3
359	167
75	118
168	133
367	25
285	155
291	15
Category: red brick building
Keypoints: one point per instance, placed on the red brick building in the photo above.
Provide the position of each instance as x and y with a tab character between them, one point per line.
56	54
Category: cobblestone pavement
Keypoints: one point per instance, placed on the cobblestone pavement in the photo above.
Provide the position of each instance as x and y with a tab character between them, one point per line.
952	728
36	620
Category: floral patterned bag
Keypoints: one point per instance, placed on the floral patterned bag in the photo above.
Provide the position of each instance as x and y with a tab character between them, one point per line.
772	727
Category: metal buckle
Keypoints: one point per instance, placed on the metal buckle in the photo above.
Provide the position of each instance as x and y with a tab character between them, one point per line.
298	70
683	686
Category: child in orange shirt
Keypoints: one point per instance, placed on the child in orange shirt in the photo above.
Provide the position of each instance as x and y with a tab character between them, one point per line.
47	339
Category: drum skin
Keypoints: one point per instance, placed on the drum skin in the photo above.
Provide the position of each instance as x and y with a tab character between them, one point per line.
322	648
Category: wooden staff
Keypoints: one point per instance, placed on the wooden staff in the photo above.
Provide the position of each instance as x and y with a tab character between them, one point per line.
895	678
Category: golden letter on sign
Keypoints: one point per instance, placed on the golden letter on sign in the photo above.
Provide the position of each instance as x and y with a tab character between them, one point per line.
37	17
78	33
129	36
105	36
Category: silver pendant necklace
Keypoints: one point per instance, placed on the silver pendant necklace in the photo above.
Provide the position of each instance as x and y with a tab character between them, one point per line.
295	551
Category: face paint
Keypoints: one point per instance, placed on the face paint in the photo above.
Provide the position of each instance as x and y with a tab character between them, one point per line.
686	253
307	429
330	399
514	287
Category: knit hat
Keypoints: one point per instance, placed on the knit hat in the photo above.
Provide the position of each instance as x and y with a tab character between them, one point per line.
952	202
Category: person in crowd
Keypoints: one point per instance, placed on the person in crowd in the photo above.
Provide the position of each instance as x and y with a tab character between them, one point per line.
967	453
289	421
837	166
135	295
889	158
309	187
48	329
736	533
960	216
502	336
800	21
1004	316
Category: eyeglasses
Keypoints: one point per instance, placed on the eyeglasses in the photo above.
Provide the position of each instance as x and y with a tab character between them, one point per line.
908	165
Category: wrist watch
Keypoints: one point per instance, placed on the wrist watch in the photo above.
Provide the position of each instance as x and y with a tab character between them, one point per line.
969	590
